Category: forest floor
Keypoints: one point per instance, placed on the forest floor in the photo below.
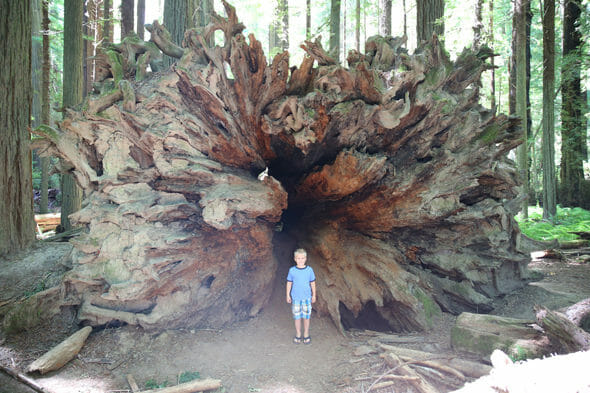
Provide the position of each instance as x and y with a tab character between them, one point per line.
251	356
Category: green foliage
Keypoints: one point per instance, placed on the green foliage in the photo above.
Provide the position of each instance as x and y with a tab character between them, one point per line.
153	384
188	376
518	353
567	220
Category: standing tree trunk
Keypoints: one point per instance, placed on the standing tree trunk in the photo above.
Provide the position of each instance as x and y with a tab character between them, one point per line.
179	16
548	144
73	83
357	26
308	19
107	31
385	17
17	229
127	8
140	19
519	27
37	78
335	29
477	33
492	61
573	134
45	114
429	19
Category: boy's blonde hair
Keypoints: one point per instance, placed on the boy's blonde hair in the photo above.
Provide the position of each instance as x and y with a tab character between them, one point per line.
300	251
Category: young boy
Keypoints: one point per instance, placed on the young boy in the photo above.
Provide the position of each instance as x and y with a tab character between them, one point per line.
301	294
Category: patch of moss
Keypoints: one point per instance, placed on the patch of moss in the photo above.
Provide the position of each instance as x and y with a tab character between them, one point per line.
22	316
489	134
431	309
116	63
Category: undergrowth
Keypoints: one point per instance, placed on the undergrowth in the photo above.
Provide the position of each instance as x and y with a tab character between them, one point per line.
567	220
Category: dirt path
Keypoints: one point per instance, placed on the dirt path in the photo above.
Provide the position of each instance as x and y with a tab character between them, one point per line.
252	356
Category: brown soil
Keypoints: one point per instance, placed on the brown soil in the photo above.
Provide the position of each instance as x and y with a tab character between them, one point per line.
252	356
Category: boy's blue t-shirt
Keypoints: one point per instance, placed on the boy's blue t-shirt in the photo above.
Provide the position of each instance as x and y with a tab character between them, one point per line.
301	289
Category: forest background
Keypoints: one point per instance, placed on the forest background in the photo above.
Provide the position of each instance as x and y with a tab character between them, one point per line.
556	119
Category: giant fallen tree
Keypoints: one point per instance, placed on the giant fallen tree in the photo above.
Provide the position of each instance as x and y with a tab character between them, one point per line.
388	171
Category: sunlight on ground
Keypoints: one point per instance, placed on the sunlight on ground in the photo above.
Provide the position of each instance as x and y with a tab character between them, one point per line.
57	383
280	388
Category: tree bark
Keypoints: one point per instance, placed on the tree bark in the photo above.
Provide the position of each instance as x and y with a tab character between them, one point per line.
45	114
385	17
127	11
107	32
399	188
308	19
492	60
140	19
429	19
548	142
335	29
17	230
73	83
357	26
178	17
520	23
573	133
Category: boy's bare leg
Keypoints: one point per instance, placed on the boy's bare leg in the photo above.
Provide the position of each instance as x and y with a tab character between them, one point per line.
298	327
306	328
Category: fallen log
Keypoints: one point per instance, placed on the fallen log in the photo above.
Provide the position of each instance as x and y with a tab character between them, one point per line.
198	385
466	367
480	334
59	355
579	314
563	334
23	379
398	183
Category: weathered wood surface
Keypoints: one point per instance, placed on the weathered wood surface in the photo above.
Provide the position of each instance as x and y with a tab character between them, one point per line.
388	172
198	385
62	353
565	336
480	334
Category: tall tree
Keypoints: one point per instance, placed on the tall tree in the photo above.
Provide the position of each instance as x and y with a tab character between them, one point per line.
73	83
308	19
548	143
492	61
45	104
357	26
179	16
573	130
127	8
477	33
140	18
17	229
385	17
429	19
37	76
107	32
519	28
335	28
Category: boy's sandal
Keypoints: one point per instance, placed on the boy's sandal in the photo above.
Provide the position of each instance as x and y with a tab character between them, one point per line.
307	340
296	340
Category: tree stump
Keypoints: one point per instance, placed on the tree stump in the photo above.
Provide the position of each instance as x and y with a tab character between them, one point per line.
388	172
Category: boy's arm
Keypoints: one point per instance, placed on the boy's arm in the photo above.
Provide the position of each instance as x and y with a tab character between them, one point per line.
289	285
313	297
